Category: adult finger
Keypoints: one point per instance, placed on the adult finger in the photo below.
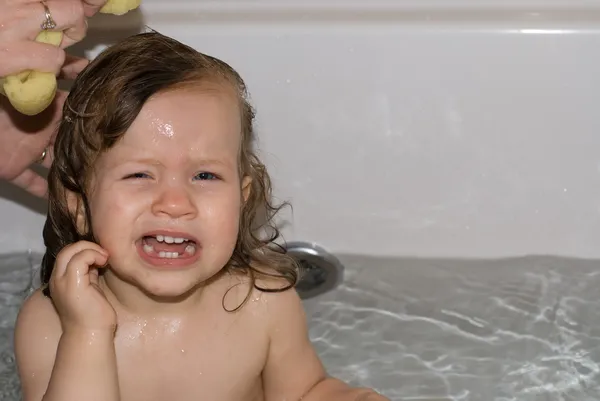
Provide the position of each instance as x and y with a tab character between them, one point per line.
49	157
29	55
73	66
91	7
25	21
32	182
75	33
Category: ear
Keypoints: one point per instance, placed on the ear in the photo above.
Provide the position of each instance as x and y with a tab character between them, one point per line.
246	187
77	210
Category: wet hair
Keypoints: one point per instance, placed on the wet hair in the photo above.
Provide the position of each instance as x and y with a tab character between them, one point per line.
104	101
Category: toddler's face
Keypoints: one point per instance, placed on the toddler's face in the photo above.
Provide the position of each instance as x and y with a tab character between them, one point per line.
166	199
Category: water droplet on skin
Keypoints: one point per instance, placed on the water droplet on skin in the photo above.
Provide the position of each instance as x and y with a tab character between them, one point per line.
162	127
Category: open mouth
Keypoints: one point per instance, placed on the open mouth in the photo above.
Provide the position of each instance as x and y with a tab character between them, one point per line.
168	247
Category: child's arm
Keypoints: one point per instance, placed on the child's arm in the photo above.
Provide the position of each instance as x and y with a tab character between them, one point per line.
57	366
293	370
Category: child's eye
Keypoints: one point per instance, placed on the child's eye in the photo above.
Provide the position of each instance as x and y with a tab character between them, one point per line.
205	176
137	175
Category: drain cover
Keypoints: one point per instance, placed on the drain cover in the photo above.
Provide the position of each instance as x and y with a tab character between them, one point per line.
320	271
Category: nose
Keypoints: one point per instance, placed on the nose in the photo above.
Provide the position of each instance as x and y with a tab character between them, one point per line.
175	202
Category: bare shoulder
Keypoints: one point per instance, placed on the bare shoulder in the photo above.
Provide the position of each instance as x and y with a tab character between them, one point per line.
37	333
282	300
272	295
37	313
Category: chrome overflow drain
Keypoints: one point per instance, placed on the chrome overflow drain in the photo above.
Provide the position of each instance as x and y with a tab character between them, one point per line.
320	271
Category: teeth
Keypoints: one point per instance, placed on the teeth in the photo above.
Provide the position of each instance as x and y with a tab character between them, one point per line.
149	249
190	249
170	240
168	255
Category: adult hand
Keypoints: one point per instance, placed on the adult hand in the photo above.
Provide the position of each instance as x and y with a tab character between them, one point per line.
24	139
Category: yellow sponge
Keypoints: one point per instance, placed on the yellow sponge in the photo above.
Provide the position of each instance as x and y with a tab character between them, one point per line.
31	92
119	7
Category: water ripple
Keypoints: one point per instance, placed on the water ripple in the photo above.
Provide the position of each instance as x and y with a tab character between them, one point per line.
525	329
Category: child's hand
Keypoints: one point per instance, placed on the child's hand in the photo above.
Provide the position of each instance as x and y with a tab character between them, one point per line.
74	288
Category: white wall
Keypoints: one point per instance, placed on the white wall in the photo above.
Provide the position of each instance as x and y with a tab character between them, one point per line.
454	128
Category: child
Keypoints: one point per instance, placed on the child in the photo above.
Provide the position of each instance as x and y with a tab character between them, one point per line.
157	283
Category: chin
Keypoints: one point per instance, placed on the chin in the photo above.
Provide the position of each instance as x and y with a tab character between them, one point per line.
170	288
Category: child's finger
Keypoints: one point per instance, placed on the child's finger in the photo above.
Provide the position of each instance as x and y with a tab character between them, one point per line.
78	270
64	257
94	275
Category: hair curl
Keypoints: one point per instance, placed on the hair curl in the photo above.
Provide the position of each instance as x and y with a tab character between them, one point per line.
104	101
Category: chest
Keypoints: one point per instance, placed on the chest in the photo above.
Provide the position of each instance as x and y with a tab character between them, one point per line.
196	363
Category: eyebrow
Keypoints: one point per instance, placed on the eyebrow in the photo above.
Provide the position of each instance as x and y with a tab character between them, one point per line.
155	162
142	161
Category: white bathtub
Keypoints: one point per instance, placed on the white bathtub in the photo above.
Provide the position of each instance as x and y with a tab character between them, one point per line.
428	129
